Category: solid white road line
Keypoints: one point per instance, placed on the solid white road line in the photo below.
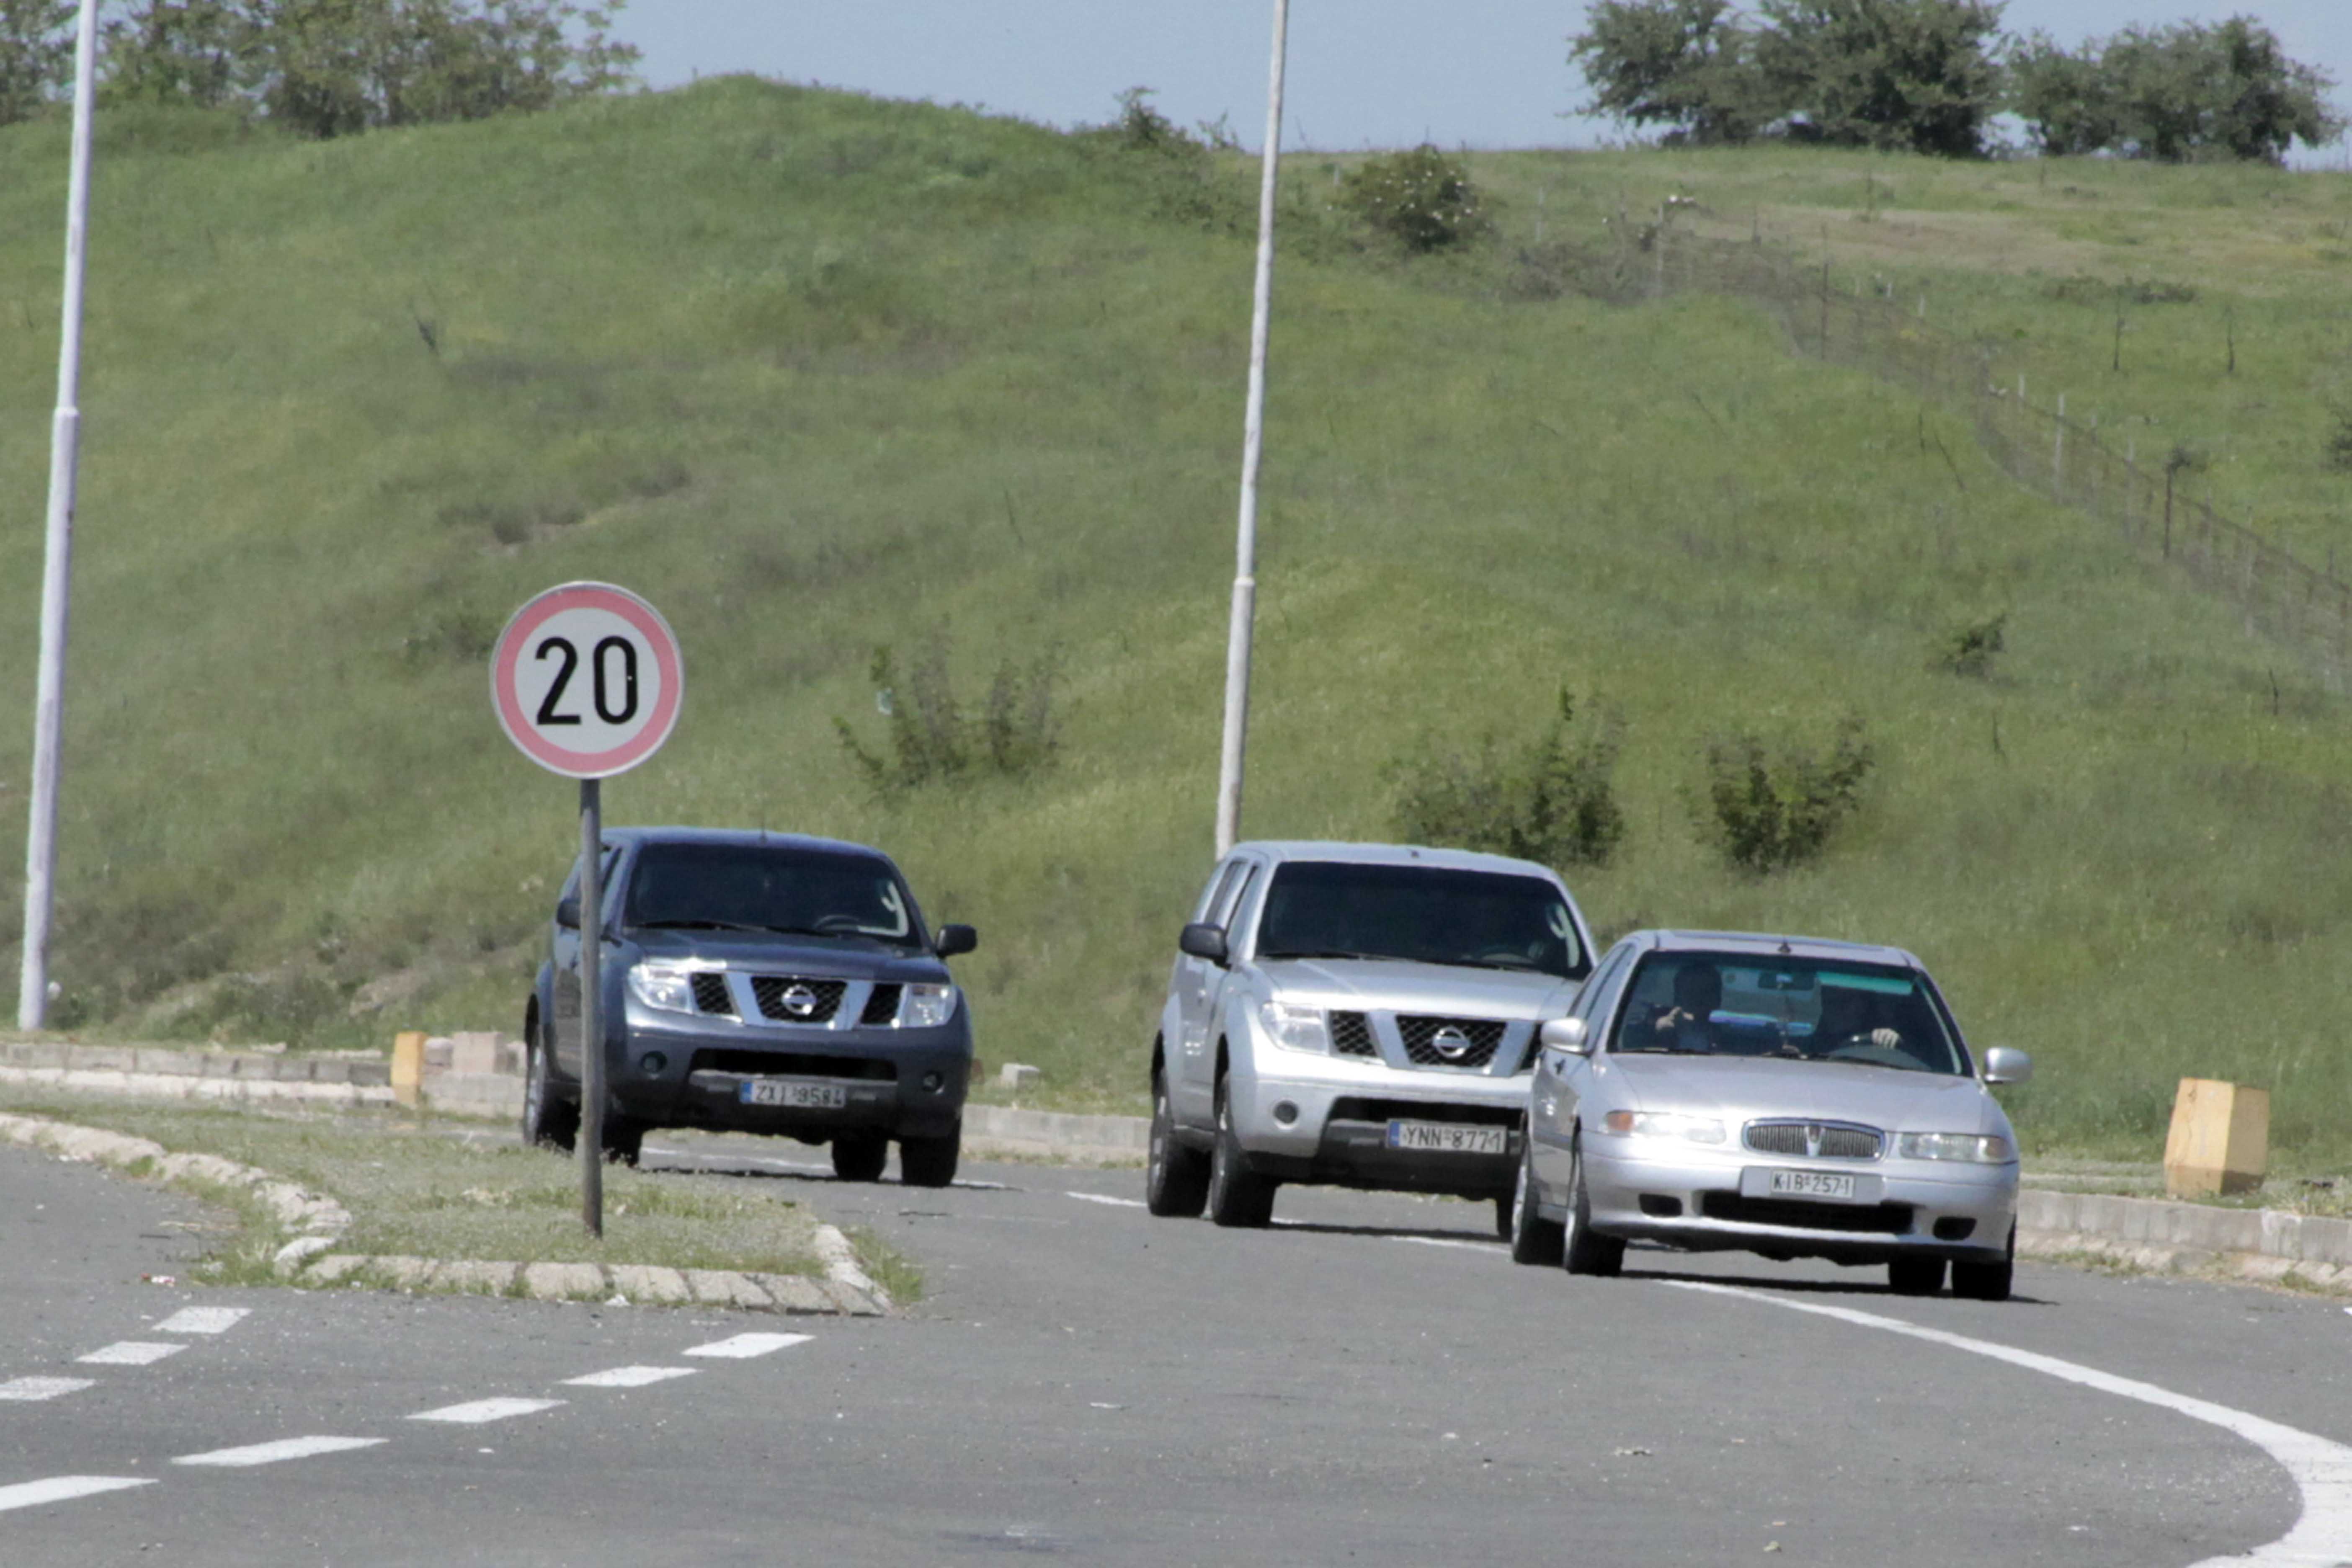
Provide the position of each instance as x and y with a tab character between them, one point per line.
2322	1537
202	1320
130	1353
273	1453
628	1377
743	1346
43	1387
1101	1198
64	1489
475	1412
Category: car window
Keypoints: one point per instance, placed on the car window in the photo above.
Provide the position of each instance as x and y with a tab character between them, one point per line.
1593	1003
1726	1004
1231	909
1488	919
772	887
1213	896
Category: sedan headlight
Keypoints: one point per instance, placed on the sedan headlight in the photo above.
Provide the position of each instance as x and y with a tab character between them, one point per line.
1968	1146
663	986
1295	1028
926	1006
1662	1124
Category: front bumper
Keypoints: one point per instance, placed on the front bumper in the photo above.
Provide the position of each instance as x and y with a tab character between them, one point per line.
686	1071
1325	1120
1687	1196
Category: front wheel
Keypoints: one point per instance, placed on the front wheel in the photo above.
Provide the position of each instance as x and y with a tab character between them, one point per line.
930	1161
1534	1239
1582	1251
1915	1276
860	1156
1237	1195
1175	1179
1987	1281
548	1122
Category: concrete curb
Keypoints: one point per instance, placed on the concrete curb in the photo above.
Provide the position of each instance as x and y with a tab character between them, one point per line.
308	1259
1079	1140
2265	1246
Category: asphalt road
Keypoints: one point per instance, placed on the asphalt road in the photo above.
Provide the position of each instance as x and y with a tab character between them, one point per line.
1371	1381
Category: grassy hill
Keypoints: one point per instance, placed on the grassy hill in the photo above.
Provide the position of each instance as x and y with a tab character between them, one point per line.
815	372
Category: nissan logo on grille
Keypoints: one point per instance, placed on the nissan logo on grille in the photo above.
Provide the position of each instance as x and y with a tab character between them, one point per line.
1450	1043
798	1000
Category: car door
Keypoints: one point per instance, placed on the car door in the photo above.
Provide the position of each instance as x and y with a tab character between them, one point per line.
1562	1077
565	957
1200	994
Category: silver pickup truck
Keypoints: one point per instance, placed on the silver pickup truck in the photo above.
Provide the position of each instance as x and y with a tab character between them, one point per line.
1356	1015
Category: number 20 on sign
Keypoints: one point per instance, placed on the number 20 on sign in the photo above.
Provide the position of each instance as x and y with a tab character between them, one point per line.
587	679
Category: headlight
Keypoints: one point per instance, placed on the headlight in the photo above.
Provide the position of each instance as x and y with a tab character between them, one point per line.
663	986
926	1006
1662	1124
1966	1146
1294	1028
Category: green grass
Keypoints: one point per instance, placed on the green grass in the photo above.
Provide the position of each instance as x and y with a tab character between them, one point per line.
814	372
412	1193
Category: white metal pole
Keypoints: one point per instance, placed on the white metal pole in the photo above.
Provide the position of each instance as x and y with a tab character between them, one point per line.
1244	608
65	443
591	1006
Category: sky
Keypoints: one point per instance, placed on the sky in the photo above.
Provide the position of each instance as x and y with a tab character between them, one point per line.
1363	73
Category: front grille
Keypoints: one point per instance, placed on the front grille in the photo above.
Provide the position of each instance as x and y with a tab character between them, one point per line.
1421	1040
882	1004
769	990
1349	1107
1880	1219
794	1064
1791	1137
1352	1036
711	993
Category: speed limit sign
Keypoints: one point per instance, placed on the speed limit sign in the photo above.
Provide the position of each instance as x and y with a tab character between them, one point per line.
586	679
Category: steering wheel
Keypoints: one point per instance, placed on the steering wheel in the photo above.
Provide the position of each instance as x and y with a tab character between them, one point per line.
837	923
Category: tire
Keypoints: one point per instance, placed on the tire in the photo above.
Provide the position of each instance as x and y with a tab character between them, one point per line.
1175	1179
1986	1281
547	1121
1238	1196
1534	1239
1504	1204
930	1161
1581	1250
1915	1276
624	1139
860	1156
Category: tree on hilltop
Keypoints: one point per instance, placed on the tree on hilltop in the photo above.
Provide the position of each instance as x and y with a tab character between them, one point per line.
36	55
2175	94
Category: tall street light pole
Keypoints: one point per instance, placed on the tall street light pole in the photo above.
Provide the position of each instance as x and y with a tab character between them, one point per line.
64	443
1245	610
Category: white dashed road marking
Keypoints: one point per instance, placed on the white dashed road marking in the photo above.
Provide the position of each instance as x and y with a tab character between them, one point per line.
202	1320
130	1353
43	1387
1102	1198
273	1453
475	1412
749	1345
2321	1470
628	1377
65	1488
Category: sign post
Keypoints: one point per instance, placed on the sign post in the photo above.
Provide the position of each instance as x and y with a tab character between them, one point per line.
587	681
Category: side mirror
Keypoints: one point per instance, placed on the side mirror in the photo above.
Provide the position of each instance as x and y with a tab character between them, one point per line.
1204	942
567	913
2003	1063
953	939
1566	1035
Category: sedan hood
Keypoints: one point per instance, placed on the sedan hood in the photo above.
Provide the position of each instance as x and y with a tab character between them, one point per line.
1392	985
1742	1089
817	957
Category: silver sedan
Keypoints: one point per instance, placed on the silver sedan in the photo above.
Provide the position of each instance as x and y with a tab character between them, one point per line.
1784	1096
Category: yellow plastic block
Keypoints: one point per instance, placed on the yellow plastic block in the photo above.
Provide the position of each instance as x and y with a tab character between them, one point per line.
2221	1139
407	1065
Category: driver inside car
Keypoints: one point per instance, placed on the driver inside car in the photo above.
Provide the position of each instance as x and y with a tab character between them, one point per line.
1689	1024
1850	1018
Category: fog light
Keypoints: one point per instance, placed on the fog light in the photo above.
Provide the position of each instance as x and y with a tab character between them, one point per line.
653	1063
934	1081
1286	1112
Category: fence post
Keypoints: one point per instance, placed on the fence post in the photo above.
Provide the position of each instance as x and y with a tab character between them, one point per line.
2058	450
2167	511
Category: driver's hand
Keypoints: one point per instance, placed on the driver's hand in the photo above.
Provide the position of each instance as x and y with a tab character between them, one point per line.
1886	1040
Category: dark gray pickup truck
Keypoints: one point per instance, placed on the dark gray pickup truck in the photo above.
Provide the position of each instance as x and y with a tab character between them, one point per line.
758	983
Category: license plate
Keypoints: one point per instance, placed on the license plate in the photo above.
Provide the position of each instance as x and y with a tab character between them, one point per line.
784	1091
1449	1138
1813	1184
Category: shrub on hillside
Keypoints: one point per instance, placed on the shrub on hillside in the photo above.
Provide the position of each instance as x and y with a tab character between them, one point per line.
1770	809
1970	647
1422	199
931	736
36	55
2338	450
1551	800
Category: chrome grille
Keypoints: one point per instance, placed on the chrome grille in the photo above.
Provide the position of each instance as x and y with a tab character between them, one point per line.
881	1004
711	993
1815	1140
776	994
1352	1036
1450	1042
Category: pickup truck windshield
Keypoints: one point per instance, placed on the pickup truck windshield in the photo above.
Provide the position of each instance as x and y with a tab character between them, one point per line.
796	891
1329	908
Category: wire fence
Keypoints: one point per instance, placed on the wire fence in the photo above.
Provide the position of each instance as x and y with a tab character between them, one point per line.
2145	498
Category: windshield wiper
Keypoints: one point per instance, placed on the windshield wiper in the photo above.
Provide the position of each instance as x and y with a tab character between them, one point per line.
699	925
1325	952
